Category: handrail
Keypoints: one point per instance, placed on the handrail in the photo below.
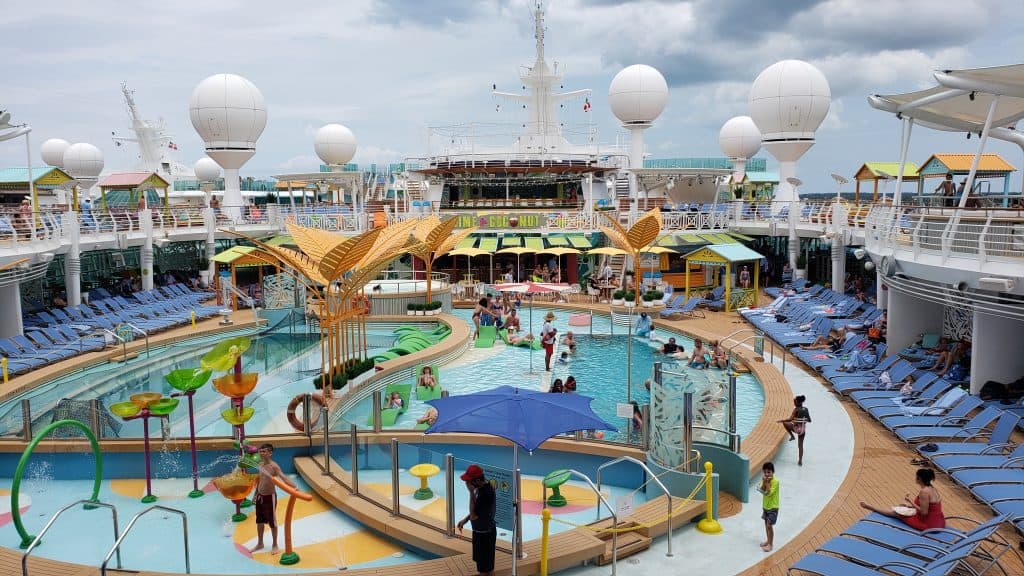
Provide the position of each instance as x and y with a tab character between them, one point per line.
140	331
124	343
654	477
603	500
38	539
730	335
120	539
734	435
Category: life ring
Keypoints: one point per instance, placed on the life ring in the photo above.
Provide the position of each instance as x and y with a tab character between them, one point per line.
362	301
314	418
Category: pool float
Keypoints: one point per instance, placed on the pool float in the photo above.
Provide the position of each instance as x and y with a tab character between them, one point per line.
486	337
426	392
388	416
314	416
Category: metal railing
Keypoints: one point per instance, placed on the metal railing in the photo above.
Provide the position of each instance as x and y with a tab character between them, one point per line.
138	330
653	478
120	539
602	500
985	234
86	503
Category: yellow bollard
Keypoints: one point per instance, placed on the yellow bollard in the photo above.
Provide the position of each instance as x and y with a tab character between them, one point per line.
708	524
193	318
545	519
4	363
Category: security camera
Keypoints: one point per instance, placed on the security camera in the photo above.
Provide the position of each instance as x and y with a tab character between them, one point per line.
960	286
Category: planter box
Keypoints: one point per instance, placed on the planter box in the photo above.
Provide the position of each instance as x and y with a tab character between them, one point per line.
410	312
616	302
419	312
648	303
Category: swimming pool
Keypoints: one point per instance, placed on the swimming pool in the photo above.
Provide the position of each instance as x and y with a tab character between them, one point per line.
599	367
286	362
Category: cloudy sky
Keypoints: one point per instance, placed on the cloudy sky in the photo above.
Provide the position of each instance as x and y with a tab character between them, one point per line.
389	69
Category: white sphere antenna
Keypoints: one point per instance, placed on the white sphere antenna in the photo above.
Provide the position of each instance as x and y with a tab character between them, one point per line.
789	100
53	150
207	170
83	162
638	94
229	114
335	144
739	139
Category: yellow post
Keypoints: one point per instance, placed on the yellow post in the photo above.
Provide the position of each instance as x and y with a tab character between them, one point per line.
708	524
686	277
545	519
728	286
4	363
193	318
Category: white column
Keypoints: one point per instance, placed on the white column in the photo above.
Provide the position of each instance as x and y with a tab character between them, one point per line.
636	162
794	240
146	250
210	220
881	293
72	260
838	262
232	204
10	303
995	350
908	126
981	149
909	317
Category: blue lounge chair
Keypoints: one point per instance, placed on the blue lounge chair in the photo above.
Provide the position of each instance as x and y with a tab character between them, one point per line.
995	442
689	308
954	462
955	412
949	428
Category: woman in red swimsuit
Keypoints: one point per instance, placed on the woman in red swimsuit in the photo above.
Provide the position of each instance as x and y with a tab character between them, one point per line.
928	505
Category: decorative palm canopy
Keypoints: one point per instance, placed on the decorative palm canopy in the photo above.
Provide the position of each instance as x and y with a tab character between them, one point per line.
433	238
642	233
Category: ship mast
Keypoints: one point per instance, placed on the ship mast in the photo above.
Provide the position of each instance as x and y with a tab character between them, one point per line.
543	130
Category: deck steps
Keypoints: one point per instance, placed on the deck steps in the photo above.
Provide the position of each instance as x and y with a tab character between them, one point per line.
627	544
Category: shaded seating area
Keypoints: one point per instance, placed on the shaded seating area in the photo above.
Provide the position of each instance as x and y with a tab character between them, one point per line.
741	274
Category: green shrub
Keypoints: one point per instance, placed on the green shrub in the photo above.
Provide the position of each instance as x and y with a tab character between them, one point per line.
410	306
618	294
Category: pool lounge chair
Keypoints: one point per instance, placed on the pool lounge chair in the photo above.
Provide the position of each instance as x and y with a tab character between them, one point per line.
958	411
689	308
980	442
949	428
388	416
425	392
954	462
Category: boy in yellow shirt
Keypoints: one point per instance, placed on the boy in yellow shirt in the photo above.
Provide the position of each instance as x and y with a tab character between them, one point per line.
769	488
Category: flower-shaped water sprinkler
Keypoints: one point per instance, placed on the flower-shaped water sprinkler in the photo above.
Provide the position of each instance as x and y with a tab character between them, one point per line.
145	405
227	356
187	381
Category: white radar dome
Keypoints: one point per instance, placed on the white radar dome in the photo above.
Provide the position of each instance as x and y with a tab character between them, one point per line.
739	137
637	94
228	112
206	169
52	151
789	100
334	144
83	161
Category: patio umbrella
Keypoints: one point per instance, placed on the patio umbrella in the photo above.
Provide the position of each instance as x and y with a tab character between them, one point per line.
531	288
468	253
525	418
518	251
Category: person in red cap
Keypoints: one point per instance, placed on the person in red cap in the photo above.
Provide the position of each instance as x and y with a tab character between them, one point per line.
482	508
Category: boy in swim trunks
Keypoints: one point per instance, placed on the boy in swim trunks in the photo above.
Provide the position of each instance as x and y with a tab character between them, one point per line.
265	500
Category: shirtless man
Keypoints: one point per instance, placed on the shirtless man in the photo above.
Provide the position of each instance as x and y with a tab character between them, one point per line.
265	499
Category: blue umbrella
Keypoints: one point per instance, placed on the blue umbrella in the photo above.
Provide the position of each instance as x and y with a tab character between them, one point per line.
525	417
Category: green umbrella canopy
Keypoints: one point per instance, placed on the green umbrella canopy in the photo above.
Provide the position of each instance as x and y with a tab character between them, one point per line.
223	356
188	379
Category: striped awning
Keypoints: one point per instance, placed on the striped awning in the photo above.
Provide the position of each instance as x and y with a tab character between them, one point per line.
511	241
555	241
739	236
489	243
534	242
686	239
579	241
467	243
719	238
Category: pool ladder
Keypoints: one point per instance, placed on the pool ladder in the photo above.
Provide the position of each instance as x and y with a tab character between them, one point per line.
118	537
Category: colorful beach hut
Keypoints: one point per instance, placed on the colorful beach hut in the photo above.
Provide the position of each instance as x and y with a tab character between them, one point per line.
741	292
875	171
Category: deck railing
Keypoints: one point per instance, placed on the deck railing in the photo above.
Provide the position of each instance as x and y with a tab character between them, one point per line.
984	234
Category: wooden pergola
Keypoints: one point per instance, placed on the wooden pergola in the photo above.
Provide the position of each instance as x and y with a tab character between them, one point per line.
240	257
875	171
728	256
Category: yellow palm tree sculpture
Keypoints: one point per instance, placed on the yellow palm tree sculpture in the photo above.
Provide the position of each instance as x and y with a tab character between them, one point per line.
644	231
434	239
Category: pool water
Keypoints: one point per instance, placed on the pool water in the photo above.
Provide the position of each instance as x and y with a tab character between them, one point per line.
599	367
286	363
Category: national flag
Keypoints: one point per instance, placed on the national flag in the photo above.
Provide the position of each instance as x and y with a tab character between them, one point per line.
586	105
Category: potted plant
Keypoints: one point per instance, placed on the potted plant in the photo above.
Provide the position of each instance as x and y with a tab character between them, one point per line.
435	307
648	299
617	297
659	297
421	309
629	298
801	266
410	309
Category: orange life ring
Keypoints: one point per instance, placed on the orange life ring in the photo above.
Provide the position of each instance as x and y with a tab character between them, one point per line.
314	418
362	301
